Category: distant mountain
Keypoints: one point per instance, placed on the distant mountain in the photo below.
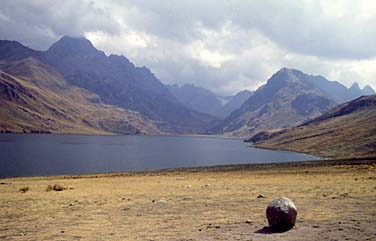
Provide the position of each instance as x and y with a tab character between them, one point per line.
333	89
196	98
288	98
205	101
233	102
367	90
356	91
115	80
345	131
355	88
35	98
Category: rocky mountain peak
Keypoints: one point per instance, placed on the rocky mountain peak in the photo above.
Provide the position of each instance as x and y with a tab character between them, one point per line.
286	75
355	87
368	90
72	46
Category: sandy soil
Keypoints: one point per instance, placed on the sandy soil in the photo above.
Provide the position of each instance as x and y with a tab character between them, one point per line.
334	201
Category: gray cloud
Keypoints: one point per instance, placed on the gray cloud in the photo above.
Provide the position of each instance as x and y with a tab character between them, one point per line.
39	23
339	29
225	46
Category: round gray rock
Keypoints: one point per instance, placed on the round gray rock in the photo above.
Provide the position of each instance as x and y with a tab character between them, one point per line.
281	214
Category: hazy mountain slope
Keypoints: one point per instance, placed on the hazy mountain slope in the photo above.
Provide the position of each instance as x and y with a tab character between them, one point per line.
285	100
333	89
196	98
367	90
355	91
346	130
205	101
233	103
33	97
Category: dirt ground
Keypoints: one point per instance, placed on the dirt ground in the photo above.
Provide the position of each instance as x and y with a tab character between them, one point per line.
334	202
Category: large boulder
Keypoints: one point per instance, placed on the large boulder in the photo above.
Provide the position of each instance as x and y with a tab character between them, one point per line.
281	214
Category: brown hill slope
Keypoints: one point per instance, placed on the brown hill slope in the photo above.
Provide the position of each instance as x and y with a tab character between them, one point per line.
345	131
34	97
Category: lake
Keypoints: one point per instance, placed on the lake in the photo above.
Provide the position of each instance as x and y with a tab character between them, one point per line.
48	154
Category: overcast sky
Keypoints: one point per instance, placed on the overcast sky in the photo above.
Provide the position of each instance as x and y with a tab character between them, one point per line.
225	46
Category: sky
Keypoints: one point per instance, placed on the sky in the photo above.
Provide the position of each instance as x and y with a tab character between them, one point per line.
222	45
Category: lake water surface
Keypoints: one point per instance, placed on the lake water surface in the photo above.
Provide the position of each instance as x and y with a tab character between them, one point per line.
47	154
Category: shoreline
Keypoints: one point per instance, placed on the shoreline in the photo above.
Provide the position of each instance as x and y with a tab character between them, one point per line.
253	145
119	134
371	160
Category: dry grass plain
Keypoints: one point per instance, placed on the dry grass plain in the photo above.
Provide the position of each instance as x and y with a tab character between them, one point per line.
335	202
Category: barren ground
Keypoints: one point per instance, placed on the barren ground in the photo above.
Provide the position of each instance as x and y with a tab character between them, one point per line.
334	201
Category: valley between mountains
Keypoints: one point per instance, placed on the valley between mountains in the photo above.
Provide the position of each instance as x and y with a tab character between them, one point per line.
75	88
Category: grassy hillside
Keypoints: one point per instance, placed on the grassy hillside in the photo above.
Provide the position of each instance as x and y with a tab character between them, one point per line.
35	98
345	131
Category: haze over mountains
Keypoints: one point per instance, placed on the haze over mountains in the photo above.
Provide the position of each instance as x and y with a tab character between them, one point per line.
73	87
205	101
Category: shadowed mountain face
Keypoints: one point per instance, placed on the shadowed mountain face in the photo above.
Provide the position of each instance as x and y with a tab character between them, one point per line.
116	81
35	98
13	50
287	99
346	130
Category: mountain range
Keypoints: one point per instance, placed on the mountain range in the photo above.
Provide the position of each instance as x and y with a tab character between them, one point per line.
290	97
115	80
75	88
